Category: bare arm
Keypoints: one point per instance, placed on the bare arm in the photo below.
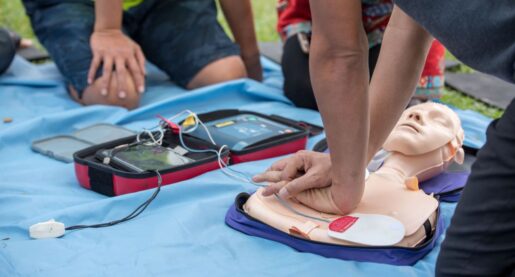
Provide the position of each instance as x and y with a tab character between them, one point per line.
113	49
339	75
108	14
403	54
239	17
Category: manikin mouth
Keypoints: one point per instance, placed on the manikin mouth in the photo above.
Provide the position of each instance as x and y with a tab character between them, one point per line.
411	126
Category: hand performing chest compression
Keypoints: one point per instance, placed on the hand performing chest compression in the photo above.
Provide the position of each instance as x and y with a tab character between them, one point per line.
423	143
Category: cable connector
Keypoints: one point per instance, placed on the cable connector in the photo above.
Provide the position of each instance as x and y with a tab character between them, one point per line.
47	229
174	127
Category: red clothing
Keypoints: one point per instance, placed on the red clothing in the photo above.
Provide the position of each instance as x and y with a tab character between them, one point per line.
435	63
291	12
295	16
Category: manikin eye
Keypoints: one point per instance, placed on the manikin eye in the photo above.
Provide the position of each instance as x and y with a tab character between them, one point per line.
439	118
442	121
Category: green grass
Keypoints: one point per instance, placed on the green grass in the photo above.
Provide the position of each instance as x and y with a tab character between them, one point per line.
461	68
265	20
462	101
12	15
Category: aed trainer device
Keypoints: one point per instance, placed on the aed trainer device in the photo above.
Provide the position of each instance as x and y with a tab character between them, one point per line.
251	136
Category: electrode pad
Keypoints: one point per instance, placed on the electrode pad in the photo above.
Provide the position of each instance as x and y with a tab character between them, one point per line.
367	229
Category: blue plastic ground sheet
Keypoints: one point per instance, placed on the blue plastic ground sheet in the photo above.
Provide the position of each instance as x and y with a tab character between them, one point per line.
182	233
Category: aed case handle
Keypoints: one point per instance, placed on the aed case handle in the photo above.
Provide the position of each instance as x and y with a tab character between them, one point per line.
312	129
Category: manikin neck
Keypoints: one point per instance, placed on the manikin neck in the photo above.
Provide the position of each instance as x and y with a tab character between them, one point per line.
401	167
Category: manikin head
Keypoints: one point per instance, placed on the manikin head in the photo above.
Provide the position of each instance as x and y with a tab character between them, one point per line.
426	128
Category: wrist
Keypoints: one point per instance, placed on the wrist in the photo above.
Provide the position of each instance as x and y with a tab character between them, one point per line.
250	53
107	30
346	198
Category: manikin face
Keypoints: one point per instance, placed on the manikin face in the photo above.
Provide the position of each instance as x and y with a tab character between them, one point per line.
423	128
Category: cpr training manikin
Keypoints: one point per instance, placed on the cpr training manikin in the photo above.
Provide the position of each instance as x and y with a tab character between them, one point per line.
425	141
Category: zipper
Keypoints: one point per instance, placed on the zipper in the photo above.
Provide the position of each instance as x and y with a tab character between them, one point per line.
454	191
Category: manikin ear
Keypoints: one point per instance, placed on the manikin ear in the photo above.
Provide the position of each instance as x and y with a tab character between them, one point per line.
460	156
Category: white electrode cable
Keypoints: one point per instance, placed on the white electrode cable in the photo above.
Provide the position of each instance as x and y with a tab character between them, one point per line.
54	229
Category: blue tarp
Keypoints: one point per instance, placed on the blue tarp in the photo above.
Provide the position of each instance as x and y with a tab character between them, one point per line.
181	233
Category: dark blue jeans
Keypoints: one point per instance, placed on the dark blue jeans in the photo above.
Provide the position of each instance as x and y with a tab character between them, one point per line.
180	37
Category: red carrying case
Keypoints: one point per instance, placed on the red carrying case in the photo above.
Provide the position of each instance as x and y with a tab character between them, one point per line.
111	181
279	145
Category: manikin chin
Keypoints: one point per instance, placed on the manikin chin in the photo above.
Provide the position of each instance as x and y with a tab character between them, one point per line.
425	141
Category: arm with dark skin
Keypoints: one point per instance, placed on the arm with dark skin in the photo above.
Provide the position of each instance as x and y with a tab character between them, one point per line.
404	49
238	14
344	105
339	76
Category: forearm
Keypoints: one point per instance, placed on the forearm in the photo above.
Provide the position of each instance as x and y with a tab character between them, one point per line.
339	75
403	54
108	14
238	14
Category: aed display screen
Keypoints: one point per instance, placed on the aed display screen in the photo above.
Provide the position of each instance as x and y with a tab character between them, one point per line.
141	158
242	130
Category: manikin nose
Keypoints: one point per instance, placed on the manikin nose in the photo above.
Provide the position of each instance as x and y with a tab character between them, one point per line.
416	116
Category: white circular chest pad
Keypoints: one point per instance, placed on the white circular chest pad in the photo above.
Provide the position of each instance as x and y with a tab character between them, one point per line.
367	229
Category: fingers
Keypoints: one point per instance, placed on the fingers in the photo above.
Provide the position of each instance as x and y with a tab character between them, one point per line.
300	184
107	72
287	189
292	168
137	75
25	43
121	76
273	188
272	173
95	63
268	176
279	165
141	60
283	170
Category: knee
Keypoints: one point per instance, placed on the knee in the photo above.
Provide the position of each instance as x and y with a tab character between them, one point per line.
92	95
222	70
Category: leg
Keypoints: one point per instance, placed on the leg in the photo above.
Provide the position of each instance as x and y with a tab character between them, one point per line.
481	238
91	94
64	30
373	55
185	40
7	50
295	66
224	69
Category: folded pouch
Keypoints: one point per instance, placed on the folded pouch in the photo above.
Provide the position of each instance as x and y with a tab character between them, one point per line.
255	137
239	220
112	181
62	147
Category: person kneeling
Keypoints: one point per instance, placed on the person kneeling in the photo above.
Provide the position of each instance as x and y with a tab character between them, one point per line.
103	59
